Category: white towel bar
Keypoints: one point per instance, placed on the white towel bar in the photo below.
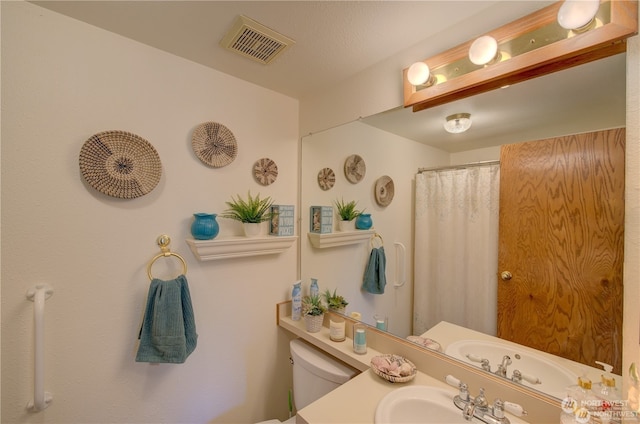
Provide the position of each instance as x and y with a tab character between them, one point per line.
38	295
401	269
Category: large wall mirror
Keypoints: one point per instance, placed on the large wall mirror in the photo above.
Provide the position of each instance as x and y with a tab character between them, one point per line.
398	142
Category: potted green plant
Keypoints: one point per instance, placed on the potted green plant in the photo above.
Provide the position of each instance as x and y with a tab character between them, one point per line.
313	311
251	212
348	213
335	302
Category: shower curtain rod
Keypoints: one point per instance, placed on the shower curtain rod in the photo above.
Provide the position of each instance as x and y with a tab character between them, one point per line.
462	166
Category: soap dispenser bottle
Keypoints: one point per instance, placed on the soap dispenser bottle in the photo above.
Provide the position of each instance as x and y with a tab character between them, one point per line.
610	400
580	403
579	392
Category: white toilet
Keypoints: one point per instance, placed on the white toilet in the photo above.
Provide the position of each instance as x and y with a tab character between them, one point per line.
314	375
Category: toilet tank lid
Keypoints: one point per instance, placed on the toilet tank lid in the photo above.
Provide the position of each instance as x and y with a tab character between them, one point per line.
320	363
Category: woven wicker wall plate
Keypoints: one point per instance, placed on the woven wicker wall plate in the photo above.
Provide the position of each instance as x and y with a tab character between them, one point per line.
354	168
384	190
326	178
265	171
120	164
214	144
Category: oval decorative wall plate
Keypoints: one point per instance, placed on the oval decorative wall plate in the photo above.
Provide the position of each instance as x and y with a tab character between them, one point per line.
384	190
354	168
265	171
326	178
214	144
120	164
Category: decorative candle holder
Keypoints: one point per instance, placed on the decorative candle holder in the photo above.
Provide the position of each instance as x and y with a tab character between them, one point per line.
382	322
360	338
337	328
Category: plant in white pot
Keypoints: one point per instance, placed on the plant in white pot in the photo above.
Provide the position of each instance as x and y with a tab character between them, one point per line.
251	212
335	302
313	311
348	213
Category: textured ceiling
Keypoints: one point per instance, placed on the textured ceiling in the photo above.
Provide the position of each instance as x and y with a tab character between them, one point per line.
333	39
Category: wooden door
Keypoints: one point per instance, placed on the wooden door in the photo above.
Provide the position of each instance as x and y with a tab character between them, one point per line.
561	236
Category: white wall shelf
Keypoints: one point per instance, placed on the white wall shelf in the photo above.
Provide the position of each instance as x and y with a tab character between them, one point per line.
340	238
238	247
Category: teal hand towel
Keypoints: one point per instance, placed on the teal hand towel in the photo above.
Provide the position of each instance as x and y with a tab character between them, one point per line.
168	331
374	275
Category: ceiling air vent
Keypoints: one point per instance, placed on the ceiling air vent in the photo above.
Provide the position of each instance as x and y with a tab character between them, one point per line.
255	41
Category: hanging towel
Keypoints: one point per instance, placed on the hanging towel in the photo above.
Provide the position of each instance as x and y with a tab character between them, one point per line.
374	274
168	331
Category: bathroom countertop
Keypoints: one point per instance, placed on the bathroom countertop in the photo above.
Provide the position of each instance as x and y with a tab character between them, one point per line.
355	401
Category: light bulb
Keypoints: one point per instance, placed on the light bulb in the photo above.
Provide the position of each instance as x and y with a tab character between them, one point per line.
577	14
483	50
418	73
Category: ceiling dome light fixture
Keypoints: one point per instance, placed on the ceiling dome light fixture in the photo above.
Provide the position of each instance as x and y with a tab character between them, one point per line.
577	15
419	74
458	123
484	51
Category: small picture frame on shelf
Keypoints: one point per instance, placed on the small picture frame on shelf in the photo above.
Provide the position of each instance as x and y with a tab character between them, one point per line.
321	219
282	219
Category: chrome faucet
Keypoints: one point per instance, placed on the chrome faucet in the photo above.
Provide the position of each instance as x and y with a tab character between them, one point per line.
484	362
518	376
498	409
485	365
478	407
502	368
479	402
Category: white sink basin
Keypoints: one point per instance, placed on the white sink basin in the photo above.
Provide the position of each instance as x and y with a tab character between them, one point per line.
418	404
553	377
425	405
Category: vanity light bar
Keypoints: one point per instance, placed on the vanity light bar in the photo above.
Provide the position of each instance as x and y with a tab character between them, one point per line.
529	47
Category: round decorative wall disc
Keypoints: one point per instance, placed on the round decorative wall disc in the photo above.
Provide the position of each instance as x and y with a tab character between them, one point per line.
214	144
384	190
326	178
120	164
265	171
354	168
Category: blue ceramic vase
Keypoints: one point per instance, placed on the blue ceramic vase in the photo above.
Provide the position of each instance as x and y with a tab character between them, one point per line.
204	226
363	221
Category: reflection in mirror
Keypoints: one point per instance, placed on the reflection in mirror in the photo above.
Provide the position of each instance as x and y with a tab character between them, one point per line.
398	142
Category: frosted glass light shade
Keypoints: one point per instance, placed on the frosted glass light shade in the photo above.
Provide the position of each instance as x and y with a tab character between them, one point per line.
483	50
418	73
576	14
458	123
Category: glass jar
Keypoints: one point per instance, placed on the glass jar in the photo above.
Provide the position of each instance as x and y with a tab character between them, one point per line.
337	328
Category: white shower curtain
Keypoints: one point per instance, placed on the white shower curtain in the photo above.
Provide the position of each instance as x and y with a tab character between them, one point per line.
456	248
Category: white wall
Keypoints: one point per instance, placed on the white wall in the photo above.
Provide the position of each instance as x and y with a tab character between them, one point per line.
63	81
342	267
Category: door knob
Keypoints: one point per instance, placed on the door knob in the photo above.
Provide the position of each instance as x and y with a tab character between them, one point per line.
505	275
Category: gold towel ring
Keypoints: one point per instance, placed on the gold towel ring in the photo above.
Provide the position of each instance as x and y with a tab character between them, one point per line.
374	237
164	241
